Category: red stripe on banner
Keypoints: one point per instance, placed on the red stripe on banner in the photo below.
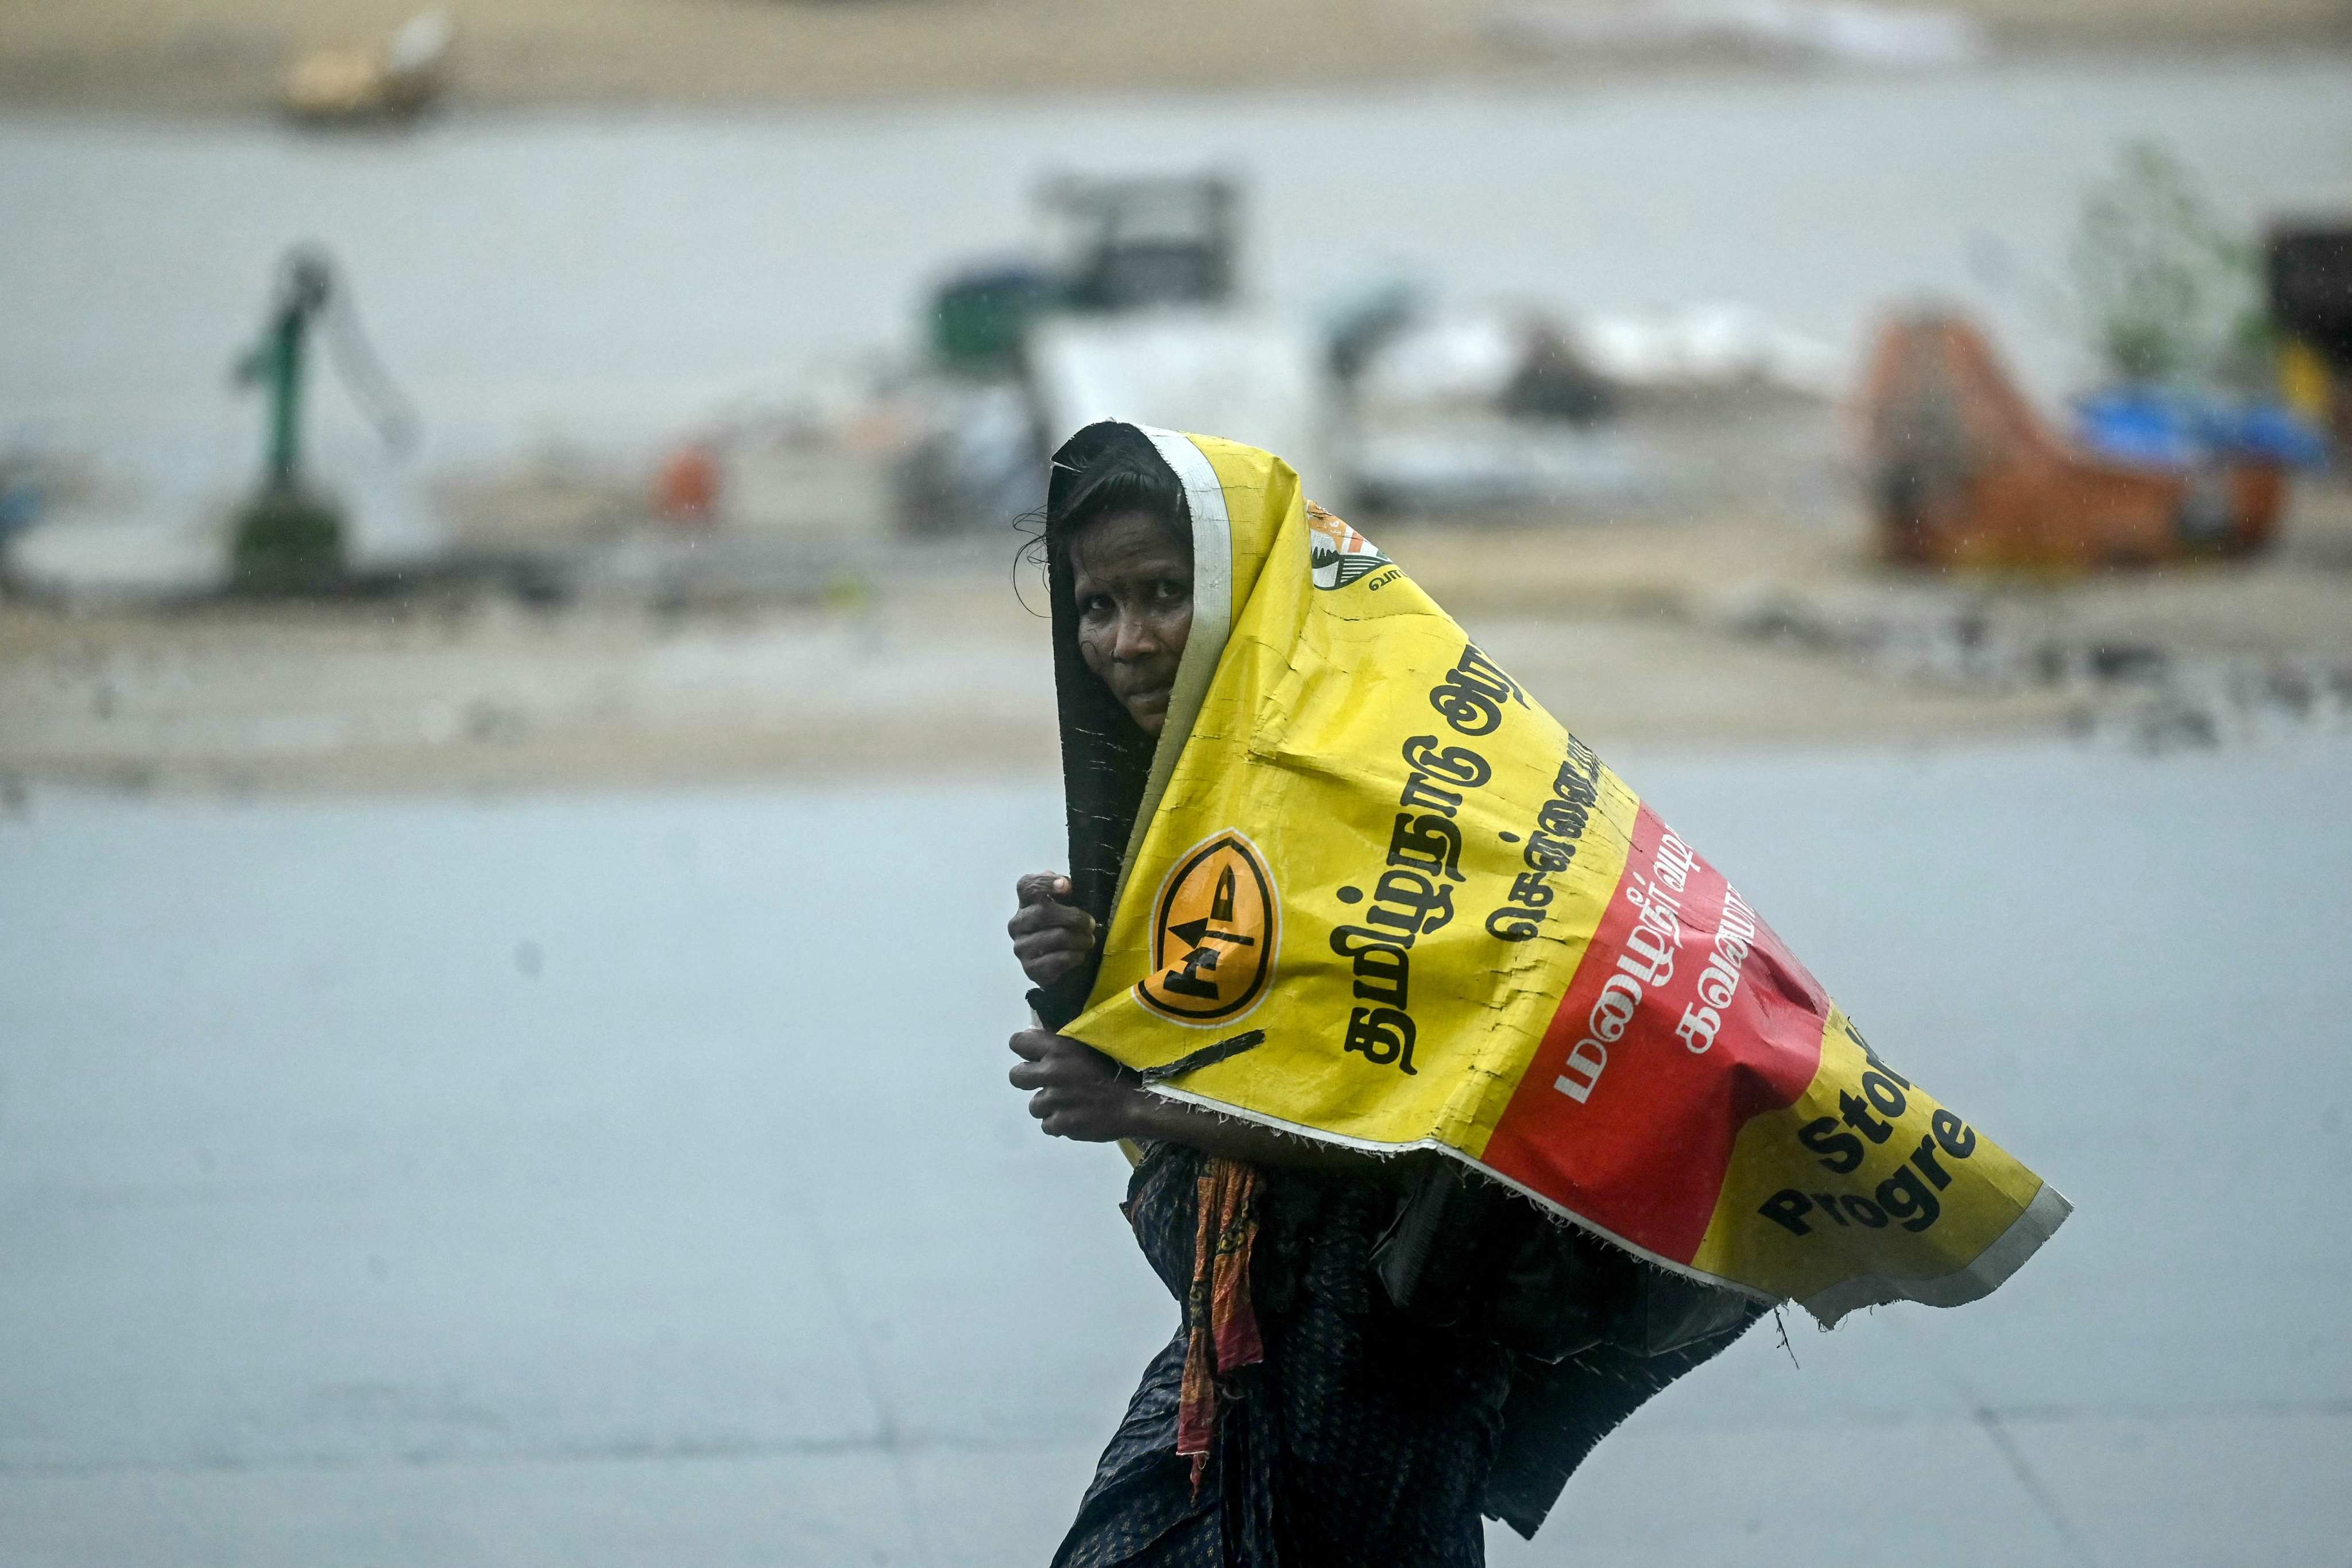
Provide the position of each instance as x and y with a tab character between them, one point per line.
1686	1018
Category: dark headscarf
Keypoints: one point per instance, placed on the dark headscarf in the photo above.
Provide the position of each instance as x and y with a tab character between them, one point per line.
1105	755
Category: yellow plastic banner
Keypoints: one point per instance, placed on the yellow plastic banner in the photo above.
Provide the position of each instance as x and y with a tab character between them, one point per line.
1378	896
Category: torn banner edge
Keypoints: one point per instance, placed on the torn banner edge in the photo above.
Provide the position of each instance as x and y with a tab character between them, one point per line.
1986	1273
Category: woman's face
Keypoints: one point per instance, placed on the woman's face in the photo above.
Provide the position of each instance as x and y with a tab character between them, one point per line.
1134	587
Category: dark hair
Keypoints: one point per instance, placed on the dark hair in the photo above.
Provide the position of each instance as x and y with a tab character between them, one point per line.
1117	476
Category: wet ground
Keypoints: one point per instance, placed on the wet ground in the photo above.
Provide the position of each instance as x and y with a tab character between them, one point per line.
612	1180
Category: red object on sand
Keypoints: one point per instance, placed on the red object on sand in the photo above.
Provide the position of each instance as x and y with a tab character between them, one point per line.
688	488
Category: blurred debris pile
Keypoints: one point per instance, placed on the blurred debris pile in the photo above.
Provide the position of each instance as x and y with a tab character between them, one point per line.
1511	409
818	466
2135	690
35	480
554	495
1483	410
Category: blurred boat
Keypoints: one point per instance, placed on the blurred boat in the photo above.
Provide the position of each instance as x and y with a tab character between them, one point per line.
354	83
1964	474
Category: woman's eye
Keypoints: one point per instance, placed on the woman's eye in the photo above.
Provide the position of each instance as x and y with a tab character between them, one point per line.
1168	589
1095	609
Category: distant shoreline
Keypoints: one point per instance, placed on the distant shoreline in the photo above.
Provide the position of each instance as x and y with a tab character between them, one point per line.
229	58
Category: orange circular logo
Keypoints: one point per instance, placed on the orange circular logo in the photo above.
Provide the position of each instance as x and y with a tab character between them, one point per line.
1214	928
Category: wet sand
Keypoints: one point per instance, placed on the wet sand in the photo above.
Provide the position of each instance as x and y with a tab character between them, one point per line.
1747	629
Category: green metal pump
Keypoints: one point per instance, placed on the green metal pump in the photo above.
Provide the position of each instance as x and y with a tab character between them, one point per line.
290	538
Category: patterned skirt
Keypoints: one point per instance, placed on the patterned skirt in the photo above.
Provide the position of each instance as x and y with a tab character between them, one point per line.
1348	1437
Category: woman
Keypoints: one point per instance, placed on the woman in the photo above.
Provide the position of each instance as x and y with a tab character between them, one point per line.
1372	1351
1367	889
1299	1416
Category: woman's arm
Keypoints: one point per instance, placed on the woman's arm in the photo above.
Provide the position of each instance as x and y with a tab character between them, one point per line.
1080	1094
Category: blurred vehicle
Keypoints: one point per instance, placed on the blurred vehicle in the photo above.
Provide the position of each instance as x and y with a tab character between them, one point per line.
1254	373
1120	245
1964	474
981	317
1138	244
1148	324
1134	313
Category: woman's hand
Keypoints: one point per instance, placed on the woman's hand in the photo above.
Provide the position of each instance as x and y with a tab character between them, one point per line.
1079	1092
1050	937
